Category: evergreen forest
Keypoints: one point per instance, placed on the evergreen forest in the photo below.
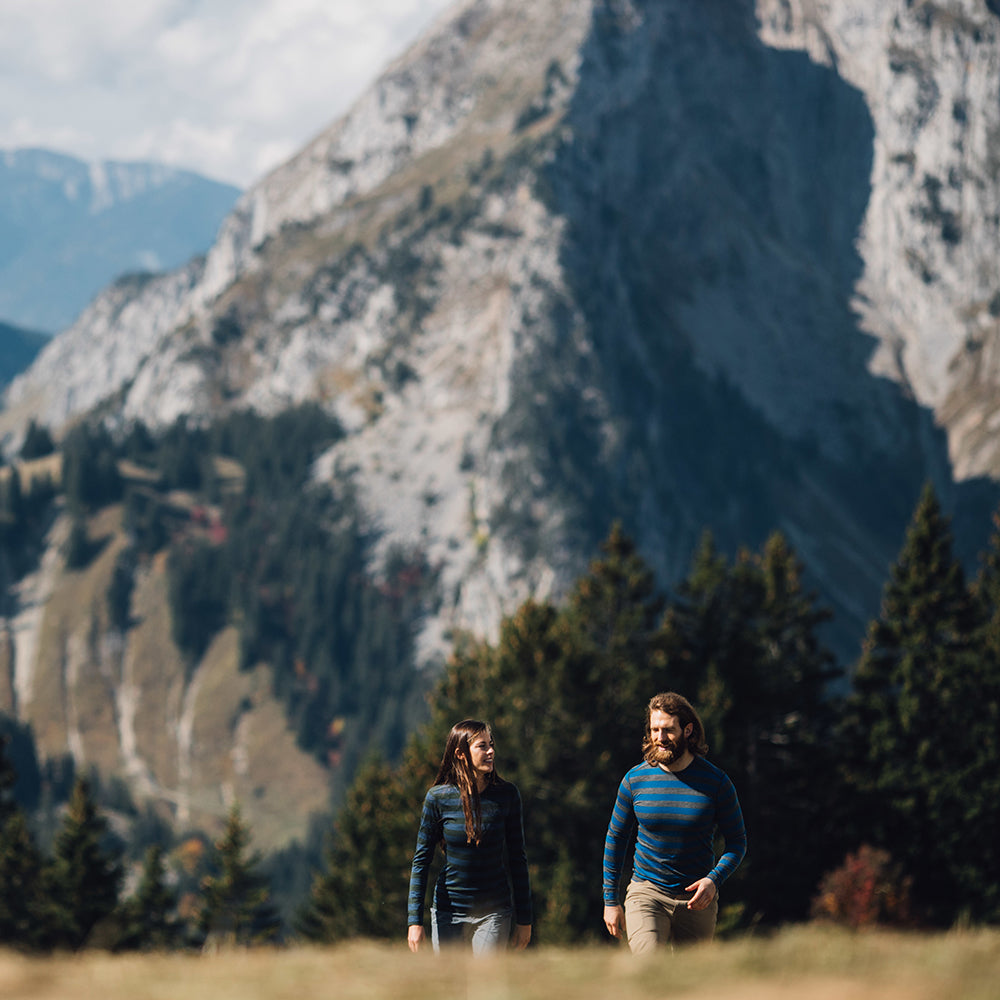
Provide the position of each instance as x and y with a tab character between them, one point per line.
871	794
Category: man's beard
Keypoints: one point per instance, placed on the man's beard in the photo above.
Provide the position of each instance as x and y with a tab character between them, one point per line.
668	753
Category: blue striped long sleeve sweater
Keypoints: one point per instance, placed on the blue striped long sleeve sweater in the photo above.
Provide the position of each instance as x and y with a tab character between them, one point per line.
676	814
474	880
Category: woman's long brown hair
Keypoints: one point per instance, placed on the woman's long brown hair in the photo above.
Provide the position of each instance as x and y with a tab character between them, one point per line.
456	769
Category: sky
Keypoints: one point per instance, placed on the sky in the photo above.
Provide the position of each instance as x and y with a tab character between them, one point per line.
227	88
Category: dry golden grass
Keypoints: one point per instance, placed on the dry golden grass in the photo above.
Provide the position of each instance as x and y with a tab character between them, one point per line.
801	963
48	467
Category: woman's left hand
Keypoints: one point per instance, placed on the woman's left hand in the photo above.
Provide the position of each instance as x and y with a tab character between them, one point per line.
415	936
522	935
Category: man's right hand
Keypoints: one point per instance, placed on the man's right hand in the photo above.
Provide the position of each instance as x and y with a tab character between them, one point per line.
614	920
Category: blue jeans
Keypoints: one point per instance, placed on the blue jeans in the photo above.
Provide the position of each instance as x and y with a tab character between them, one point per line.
487	932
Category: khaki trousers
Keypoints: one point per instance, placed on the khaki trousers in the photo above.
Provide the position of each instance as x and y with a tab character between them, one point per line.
652	917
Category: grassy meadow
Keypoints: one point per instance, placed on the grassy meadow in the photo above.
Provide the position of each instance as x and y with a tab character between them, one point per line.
806	962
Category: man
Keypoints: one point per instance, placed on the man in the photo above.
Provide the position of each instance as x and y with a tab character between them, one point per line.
677	799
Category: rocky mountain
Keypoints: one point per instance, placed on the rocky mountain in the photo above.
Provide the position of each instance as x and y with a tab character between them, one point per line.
724	265
68	228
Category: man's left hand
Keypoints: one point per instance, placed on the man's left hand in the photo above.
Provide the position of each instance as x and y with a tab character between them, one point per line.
704	892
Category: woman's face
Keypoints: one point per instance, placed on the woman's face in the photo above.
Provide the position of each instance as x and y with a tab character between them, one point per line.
481	754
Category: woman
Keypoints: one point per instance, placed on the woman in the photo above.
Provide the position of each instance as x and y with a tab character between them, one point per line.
475	815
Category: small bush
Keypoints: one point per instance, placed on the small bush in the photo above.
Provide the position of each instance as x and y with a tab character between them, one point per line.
866	890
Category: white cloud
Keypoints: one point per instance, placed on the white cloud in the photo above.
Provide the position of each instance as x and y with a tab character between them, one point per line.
226	87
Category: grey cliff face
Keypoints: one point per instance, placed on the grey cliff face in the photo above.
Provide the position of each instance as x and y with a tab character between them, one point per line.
714	264
930	236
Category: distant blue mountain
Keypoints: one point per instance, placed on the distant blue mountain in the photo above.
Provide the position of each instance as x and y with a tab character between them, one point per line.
17	350
68	228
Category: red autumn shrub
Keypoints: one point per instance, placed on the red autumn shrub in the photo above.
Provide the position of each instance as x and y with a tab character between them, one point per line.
866	890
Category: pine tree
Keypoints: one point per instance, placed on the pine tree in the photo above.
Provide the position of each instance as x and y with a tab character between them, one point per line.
85	871
77	549
742	641
8	779
236	900
977	858
21	910
615	613
362	892
90	474
23	914
120	587
908	751
792	783
147	920
198	608
12	498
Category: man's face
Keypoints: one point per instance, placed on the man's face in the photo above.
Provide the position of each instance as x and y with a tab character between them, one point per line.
668	739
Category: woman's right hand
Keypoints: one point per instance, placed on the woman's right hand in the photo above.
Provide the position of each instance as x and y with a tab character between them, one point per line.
414	935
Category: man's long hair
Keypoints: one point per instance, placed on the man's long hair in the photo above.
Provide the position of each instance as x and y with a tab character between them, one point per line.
677	705
456	769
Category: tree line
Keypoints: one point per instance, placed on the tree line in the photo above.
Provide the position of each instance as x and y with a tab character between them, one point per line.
883	777
74	895
881	798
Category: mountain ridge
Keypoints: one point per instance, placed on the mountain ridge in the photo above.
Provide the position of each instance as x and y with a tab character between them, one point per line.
69	227
721	266
445	113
